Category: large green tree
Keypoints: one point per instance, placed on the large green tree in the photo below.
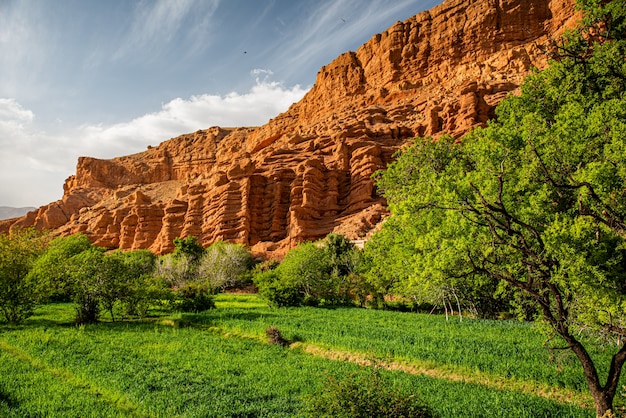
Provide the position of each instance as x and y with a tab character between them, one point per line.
536	200
52	269
72	268
20	293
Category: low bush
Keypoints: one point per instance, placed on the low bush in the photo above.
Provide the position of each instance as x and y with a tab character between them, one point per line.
275	337
363	395
194	297
278	292
325	273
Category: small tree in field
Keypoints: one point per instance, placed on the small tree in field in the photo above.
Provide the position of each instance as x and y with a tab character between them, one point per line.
181	271
223	265
536	201
52	269
20	293
141	287
88	276
188	247
324	273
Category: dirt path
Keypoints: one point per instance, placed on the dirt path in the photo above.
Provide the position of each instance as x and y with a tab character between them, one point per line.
543	390
416	367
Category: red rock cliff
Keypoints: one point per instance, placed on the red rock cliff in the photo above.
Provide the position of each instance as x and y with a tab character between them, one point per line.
308	171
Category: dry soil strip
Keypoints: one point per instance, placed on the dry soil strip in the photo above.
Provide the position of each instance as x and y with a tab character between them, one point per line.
118	400
561	395
531	388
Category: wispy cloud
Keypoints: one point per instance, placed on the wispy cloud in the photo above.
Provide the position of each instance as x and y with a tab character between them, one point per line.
155	25
98	61
340	24
22	47
38	162
12	111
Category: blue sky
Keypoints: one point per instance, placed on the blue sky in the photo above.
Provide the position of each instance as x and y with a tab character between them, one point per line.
107	78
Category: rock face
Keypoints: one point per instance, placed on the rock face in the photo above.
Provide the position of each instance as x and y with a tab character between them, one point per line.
308	171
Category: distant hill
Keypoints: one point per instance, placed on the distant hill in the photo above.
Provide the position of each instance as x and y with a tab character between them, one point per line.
10	213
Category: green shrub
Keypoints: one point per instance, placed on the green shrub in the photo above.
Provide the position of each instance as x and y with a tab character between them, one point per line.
139	289
194	297
89	274
143	293
176	271
325	273
278	292
225	266
54	267
359	395
19	292
188	247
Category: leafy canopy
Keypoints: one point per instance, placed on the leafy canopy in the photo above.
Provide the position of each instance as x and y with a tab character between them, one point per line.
320	273
19	293
536	200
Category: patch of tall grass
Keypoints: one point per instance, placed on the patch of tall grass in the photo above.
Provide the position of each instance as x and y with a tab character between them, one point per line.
508	349
219	364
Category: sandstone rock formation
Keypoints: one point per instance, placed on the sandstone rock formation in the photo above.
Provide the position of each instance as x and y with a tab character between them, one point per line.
308	171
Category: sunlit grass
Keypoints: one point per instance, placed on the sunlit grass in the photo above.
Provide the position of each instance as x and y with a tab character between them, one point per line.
509	349
218	363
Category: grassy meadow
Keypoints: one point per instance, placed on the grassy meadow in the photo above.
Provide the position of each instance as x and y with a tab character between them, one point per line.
219	363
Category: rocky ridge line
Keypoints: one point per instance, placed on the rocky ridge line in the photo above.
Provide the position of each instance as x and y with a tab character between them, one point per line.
308	171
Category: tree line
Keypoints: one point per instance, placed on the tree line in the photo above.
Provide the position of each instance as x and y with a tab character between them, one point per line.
35	269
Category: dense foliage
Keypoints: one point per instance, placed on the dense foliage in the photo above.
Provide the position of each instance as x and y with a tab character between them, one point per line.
534	203
321	273
224	266
364	396
71	268
198	273
124	284
19	292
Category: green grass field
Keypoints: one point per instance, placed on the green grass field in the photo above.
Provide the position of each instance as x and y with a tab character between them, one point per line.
219	364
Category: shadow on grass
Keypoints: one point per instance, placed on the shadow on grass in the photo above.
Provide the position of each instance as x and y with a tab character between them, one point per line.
201	321
33	323
59	316
210	318
217	314
7	400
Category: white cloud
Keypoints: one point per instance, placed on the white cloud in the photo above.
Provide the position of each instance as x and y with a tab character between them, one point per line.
10	110
34	164
260	71
264	101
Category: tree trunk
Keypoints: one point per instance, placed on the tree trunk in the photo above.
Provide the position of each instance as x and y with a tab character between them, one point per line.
602	395
604	404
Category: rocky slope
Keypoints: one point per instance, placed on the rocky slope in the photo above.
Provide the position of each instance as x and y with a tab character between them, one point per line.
307	172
